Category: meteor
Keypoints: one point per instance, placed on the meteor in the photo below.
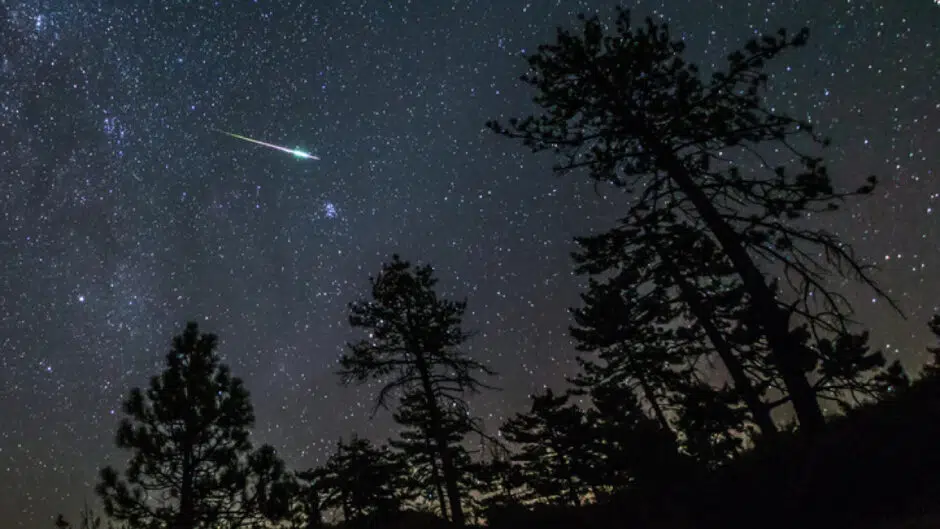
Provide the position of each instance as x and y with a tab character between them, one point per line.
296	152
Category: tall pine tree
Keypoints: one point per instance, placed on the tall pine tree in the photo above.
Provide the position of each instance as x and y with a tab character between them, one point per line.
413	348
631	110
192	465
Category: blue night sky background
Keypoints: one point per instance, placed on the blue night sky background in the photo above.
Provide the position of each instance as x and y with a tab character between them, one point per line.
123	214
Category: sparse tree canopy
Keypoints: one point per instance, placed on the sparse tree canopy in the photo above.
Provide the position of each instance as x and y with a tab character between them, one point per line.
413	349
192	465
631	110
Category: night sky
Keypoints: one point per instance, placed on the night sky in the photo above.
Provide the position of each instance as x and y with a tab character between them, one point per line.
124	214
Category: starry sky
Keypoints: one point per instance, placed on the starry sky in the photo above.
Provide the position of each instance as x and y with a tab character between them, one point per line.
124	214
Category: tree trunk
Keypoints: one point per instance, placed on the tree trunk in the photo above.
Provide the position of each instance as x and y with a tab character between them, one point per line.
347	511
436	476
450	479
774	322
573	497
759	410
440	436
654	404
185	519
569	496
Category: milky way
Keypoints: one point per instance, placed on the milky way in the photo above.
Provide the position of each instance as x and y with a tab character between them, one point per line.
123	215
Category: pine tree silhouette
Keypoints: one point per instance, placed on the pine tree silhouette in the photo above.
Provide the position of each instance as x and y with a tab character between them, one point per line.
498	480
712	423
307	509
843	363
361	480
629	448
664	274
629	348
192	465
629	108
932	368
416	444
413	348
554	455
87	519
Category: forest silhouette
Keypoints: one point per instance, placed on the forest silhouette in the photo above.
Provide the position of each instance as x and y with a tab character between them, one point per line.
712	343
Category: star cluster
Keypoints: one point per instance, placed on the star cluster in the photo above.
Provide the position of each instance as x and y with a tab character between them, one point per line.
122	214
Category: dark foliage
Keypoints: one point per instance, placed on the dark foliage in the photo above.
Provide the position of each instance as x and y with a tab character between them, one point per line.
874	468
554	449
628	448
413	350
667	308
499	482
192	465
632	111
87	519
933	366
362	481
416	444
307	502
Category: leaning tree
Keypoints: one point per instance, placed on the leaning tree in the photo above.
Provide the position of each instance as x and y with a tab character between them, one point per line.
628	108
667	293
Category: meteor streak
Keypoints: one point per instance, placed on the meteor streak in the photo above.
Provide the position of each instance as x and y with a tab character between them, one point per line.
296	152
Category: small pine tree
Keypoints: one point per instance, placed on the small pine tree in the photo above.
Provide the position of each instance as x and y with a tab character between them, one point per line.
87	519
713	424
554	454
498	483
360	480
192	465
629	448
630	347
307	506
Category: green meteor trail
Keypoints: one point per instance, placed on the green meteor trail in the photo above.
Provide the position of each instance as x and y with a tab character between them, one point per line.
295	152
